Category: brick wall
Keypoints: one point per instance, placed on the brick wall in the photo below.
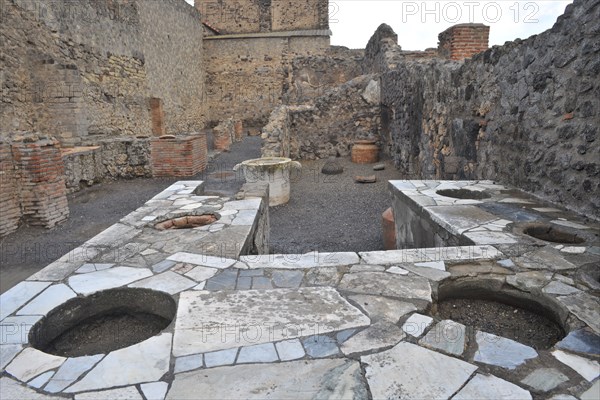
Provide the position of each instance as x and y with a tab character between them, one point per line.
10	211
179	156
463	41
33	183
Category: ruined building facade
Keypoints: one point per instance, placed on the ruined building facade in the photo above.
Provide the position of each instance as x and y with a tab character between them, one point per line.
94	83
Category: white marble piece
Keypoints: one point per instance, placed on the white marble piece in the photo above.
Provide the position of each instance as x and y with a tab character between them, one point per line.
200	274
126	393
573	250
31	363
381	283
87	268
545	379
155	390
546	210
107	279
564	397
220	358
397	271
70	371
439	265
412	372
403	185
490	387
147	361
188	363
149	252
367	268
502	352
7	353
447	336
12	390
192	206
570	224
18	295
592	393
416	325
559	288
378	307
208	321
15	330
585	306
168	282
492	237
289	350
246	204
50	298
589	369
244	217
149	218
380	335
433	274
200	286
314	379
300	261
203	260
225	212
459	253
40	380
260	353
515	200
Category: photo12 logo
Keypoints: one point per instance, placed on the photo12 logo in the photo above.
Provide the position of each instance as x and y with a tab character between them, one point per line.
469	11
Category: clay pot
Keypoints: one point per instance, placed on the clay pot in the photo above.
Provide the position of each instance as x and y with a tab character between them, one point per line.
365	152
389	229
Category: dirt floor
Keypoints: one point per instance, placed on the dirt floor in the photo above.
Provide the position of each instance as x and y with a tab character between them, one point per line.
94	209
503	320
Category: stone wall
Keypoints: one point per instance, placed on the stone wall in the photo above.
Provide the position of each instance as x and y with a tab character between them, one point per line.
83	70
253	16
313	76
247	76
33	185
525	114
328	125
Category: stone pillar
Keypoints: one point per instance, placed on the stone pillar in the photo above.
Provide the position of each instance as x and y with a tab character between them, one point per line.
41	176
158	117
179	156
224	134
463	41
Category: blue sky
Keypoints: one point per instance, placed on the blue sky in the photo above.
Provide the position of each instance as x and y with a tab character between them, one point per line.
418	23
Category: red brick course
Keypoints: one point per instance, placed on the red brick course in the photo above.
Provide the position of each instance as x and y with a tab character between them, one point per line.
179	156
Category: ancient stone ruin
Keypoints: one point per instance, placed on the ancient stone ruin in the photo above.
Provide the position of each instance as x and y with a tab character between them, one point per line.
490	287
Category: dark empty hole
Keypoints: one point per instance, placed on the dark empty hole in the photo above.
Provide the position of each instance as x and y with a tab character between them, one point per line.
464	194
549	233
103	322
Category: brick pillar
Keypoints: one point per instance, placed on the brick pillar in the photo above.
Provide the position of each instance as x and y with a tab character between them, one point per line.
43	194
179	156
463	41
158	117
10	210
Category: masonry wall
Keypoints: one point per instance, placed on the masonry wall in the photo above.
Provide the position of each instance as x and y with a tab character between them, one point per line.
253	16
525	114
247	77
83	70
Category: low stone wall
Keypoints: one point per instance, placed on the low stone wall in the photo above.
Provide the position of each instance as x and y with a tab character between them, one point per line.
260	234
328	125
109	159
525	114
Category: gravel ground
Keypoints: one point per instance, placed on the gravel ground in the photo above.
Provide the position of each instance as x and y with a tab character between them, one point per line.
330	213
325	212
94	209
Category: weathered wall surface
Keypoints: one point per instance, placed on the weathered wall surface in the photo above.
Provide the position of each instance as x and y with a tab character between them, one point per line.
88	69
247	77
525	114
328	125
313	76
253	16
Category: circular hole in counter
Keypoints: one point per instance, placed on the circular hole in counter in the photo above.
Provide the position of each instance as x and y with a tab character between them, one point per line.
187	222
549	233
509	313
103	322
